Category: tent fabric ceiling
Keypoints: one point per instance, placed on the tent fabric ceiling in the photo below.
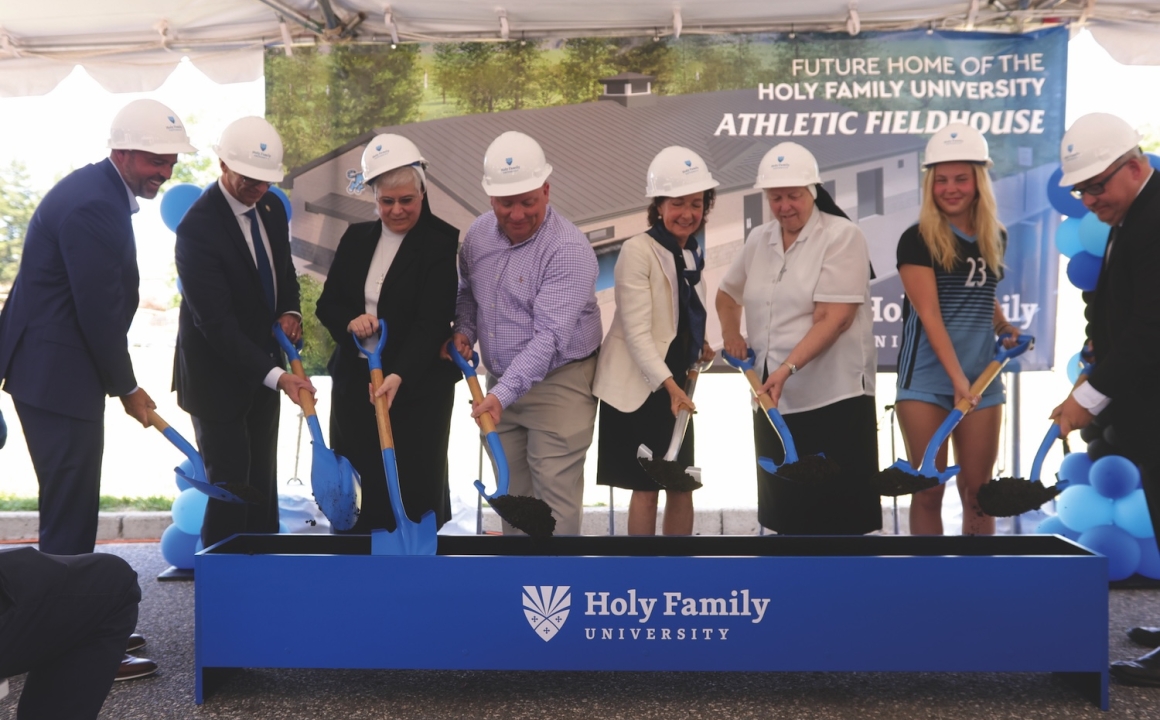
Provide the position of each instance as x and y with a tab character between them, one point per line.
133	45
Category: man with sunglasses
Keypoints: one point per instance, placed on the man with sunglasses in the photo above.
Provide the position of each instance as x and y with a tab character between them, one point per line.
1103	163
237	279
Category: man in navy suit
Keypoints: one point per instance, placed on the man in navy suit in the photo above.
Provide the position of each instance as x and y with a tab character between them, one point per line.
64	329
233	259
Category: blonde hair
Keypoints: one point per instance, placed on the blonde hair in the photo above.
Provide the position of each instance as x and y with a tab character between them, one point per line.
936	231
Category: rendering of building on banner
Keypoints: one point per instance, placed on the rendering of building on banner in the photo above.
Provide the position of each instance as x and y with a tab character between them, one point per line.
600	151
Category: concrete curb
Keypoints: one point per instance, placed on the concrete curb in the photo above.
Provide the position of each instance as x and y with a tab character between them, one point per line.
112	526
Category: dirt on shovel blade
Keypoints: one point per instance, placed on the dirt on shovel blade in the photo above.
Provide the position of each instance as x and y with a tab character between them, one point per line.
670	475
1010	496
893	482
525	513
247	493
810	469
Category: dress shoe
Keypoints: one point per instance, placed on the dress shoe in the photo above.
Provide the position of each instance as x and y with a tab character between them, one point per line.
136	642
135	667
1144	670
1146	636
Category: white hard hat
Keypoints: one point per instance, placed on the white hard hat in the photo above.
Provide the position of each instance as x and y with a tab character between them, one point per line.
788	164
1092	144
677	171
387	152
251	146
148	125
957	142
514	164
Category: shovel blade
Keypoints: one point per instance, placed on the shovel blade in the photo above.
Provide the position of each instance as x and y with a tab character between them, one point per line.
408	537
336	486
767	465
644	453
215	492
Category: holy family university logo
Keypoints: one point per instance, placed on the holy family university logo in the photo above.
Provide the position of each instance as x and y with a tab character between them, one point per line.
671	615
546	608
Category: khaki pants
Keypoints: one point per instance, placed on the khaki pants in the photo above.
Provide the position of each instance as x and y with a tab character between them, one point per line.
545	435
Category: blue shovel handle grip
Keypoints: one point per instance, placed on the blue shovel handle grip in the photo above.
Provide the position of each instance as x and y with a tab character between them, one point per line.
746	364
467	366
375	357
940	436
1044	447
778	421
1022	345
291	349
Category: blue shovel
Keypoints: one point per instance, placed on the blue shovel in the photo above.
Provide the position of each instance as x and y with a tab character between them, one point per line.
409	537
527	514
335	483
812	468
225	492
1009	496
901	478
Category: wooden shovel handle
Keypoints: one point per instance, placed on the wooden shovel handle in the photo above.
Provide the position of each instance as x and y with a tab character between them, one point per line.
156	421
304	397
382	412
485	422
989	374
755	386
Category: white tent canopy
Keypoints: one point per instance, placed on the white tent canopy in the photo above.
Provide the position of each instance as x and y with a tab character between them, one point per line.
133	45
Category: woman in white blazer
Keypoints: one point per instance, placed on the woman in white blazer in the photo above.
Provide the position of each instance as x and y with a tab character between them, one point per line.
657	334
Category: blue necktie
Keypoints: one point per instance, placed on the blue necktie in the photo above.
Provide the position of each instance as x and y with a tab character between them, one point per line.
263	261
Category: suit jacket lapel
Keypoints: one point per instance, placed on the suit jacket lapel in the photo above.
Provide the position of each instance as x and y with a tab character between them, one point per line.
409	250
234	234
279	243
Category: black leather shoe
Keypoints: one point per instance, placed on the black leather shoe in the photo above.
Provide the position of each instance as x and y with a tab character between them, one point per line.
136	642
135	667
1146	636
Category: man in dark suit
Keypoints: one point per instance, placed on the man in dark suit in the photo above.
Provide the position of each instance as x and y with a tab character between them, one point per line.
1104	164
63	330
233	259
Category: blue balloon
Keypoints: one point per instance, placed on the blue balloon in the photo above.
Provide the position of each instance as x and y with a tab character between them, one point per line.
1054	526
284	198
1149	559
1131	514
187	467
178	548
189	511
1061	198
1154	160
1067	238
1083	270
1121	549
176	202
1093	234
1114	476
1081	508
1075	468
1074	368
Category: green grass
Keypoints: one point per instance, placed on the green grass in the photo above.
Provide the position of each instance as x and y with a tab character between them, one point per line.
11	503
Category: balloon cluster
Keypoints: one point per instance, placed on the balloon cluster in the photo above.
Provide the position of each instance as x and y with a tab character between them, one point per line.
182	540
1103	508
1081	237
178	199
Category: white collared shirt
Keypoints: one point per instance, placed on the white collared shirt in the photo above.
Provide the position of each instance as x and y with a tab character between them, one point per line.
134	206
829	262
385	252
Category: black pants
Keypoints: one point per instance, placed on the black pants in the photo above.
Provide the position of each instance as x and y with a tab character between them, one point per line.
66	454
65	621
244	452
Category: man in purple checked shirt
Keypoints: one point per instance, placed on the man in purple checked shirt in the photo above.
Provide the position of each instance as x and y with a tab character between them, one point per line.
527	280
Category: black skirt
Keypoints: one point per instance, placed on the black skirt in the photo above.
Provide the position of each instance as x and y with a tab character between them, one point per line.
847	433
622	433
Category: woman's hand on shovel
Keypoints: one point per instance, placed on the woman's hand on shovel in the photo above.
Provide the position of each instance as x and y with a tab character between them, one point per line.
677	397
137	406
388	389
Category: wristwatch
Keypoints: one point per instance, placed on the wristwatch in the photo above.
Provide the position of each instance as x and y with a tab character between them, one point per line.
791	366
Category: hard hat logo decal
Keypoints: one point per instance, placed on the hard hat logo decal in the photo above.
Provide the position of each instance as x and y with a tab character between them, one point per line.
954	135
781	158
688	163
172	119
378	147
508	161
262	145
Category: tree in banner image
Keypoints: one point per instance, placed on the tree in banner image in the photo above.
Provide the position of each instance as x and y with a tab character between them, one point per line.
317	344
710	64
17	203
487	77
586	60
320	100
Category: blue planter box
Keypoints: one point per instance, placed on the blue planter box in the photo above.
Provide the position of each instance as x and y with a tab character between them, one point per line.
1008	604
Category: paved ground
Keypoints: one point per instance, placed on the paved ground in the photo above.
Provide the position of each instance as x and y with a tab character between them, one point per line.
167	620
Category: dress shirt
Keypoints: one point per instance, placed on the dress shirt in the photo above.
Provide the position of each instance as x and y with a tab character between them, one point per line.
240	210
829	262
531	305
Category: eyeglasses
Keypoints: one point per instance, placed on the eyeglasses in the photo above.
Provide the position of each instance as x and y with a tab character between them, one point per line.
1096	189
251	182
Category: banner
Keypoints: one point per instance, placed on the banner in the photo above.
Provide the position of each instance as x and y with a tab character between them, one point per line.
603	107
